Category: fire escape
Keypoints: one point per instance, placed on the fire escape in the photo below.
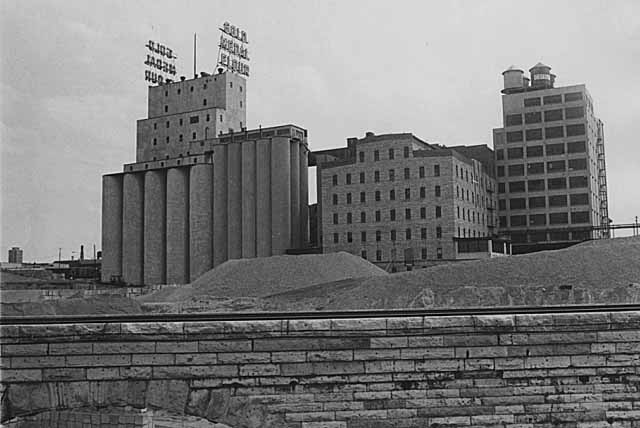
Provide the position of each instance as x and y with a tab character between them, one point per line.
602	183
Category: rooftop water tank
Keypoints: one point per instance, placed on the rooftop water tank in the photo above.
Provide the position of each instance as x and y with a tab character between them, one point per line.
513	79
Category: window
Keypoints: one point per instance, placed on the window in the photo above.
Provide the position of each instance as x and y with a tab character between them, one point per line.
555	149
574	112
559	236
577	182
378	255
577	129
500	171
517	203
406	151
348	179
518	220
204	102
579	199
376	155
515	153
572	96
499	155
516	170
421	172
392	175
502	222
363	237
336	238
580	217
423	253
208	117
407	173
436	170
335	218
533	117
534	151
220	119
438	232
576	147
553	115
166	109
558	201
534	134
377	197
392	195
378	215
558	218
407	213
407	194
155	141
535	185
514	136
363	197
423	233
535	168
439	253
391	154
501	187
349	218
361	177
537	219
437	191
438	211
363	254
194	119
376	176
393	235
516	186
554	132
556	166
423	192
378	235
231	84
361	156
392	215
577	164
348	198
556	183
423	212
180	137
349	237
407	234
552	99
193	135
502	204
334	179
531	102
514	119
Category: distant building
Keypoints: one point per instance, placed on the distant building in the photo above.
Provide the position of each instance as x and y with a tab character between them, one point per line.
397	200
203	189
552	184
15	255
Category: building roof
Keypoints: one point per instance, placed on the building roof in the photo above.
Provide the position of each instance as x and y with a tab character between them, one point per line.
512	68
540	65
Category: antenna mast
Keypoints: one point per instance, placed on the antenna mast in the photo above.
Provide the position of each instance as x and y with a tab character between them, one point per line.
194	56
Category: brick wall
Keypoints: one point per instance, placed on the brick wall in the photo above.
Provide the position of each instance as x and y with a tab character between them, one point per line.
569	370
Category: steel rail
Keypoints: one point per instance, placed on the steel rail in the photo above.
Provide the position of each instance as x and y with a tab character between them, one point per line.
264	316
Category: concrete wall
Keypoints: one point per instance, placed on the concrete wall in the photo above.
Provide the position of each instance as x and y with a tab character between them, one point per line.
568	370
155	210
178	225
132	229
200	219
111	226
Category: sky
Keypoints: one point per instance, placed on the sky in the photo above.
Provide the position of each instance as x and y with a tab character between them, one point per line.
72	85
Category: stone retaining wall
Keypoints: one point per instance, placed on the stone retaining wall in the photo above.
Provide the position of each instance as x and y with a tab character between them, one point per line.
568	370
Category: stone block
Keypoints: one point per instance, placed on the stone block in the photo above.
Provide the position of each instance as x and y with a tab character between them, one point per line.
224	346
389	342
259	370
80	348
98	360
204	358
153	359
347	355
244	357
64	374
177	347
123	347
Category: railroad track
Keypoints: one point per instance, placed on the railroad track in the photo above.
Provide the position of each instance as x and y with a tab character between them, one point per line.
260	316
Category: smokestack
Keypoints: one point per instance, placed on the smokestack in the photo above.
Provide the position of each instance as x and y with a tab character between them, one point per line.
81	252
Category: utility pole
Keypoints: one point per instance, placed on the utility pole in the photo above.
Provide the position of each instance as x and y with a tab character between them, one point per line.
59	255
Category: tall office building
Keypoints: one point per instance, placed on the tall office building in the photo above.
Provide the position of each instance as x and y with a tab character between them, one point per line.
397	200
203	189
552	184
15	255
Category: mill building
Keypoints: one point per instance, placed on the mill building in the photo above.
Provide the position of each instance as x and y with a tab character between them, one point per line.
550	159
203	189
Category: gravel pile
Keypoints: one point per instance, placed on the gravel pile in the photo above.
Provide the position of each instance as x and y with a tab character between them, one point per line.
104	304
259	277
605	271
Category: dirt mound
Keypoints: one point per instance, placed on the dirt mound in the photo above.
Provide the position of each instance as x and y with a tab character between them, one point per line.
260	277
104	304
605	271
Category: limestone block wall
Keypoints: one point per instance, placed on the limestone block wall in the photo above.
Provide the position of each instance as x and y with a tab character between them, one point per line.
534	370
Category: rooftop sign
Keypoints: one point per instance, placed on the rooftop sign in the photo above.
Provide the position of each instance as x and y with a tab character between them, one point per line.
233	53
160	63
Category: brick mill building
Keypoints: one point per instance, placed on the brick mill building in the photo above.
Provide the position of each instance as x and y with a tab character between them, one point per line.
397	200
552	185
203	189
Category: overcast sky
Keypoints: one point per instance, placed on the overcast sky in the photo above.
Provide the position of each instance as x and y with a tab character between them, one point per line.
73	85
